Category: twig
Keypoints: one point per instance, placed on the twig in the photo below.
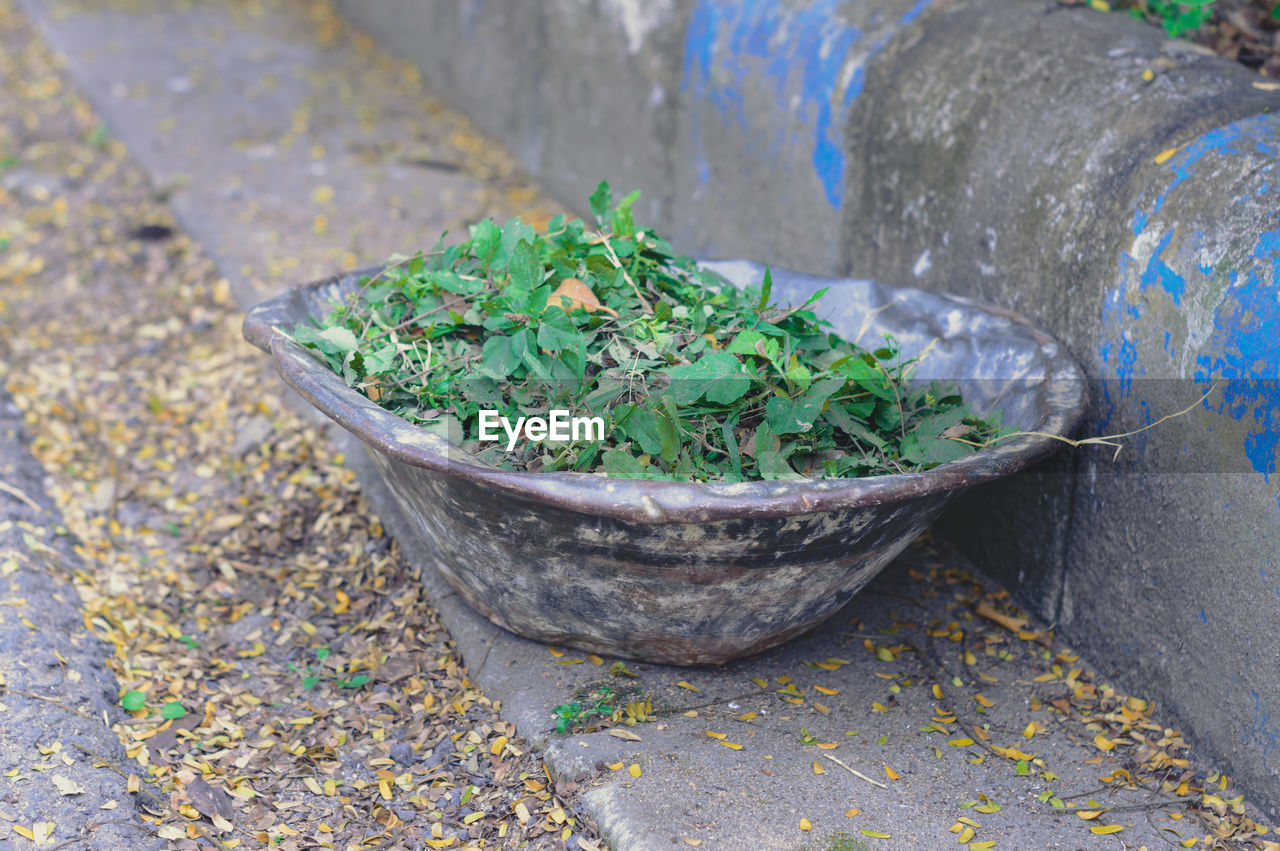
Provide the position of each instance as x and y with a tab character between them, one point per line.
618	263
1088	794
672	709
56	703
855	772
1105	440
1146	805
20	496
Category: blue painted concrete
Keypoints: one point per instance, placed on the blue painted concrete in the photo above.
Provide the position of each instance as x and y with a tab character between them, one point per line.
1243	351
801	52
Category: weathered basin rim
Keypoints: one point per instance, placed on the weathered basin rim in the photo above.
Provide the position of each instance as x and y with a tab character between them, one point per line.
1061	402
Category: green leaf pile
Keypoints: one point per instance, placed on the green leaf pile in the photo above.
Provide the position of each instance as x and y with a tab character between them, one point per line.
694	379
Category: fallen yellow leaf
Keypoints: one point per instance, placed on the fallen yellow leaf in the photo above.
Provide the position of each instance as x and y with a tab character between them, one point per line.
818	769
805	824
634	770
1104	743
1089	815
578	294
986	610
893	775
689	686
1165	155
965	835
1103	829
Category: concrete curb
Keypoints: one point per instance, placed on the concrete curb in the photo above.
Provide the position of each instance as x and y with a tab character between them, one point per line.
56	658
1112	184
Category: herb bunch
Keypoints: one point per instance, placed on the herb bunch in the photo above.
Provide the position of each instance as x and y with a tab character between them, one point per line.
695	379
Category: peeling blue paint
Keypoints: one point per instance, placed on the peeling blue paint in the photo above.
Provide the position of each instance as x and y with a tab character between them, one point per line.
1158	271
1233	138
1250	320
797	52
1244	346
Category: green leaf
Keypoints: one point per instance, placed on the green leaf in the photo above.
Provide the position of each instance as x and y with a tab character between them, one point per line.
310	682
497	359
556	331
842	418
926	445
512	233
717	376
601	202
454	283
486	239
745	343
642	426
624	225
526	270
133	701
868	377
173	709
619	464
334	340
731	443
766	289
356	681
797	414
770	459
380	359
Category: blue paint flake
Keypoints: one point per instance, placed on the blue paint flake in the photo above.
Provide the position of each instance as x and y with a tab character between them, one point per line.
1158	271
